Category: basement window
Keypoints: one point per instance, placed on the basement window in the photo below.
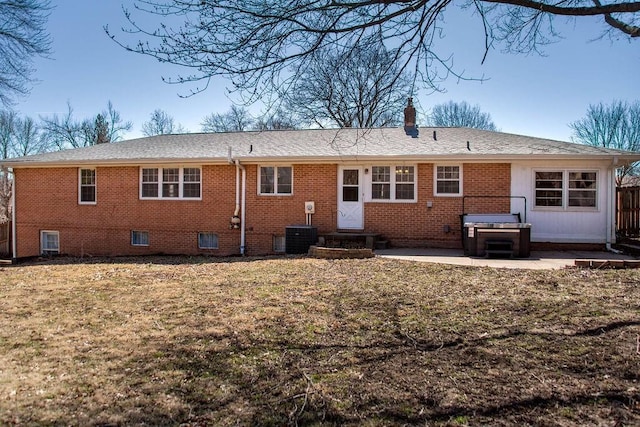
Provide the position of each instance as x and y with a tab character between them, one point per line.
140	238
279	244
49	242
207	240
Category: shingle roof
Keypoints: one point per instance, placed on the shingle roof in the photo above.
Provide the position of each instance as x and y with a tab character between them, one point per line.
326	145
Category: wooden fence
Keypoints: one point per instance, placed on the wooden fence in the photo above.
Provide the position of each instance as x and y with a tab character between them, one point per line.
628	211
5	239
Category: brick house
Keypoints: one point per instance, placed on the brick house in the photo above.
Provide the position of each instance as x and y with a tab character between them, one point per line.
235	193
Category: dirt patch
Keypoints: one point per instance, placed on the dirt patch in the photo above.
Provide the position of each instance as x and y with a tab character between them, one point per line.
339	253
196	341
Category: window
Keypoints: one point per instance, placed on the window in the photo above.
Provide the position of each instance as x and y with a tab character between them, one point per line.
170	183
140	238
405	183
350	185
87	190
150	182
582	189
549	189
279	244
276	180
49	242
380	183
393	183
566	189
191	185
448	180
207	241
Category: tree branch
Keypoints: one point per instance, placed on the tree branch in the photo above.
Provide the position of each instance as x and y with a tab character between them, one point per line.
554	9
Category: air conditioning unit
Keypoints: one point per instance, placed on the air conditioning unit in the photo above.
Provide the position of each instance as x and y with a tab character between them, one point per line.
298	238
309	207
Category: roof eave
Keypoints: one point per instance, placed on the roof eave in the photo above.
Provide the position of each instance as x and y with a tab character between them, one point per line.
616	158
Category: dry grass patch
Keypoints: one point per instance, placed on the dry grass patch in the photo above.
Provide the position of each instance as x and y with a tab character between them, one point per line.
167	341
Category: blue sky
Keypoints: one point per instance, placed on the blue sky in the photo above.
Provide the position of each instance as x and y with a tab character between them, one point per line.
525	94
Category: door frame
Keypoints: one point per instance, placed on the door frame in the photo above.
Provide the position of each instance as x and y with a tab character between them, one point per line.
358	221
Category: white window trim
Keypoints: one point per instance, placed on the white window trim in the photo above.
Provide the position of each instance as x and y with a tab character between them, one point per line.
95	185
435	180
139	244
565	191
392	184
275	180
181	182
50	251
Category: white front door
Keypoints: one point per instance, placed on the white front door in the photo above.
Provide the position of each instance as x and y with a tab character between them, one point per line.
350	198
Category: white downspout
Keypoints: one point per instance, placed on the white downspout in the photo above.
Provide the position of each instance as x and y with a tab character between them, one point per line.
14	243
237	220
237	211
243	205
611	221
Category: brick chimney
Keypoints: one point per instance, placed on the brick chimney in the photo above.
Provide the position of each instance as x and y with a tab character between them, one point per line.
410	127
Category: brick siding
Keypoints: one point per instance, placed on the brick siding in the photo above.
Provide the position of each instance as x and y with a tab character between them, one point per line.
417	225
47	199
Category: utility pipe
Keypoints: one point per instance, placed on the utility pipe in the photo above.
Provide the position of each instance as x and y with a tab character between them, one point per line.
14	243
610	209
243	206
238	214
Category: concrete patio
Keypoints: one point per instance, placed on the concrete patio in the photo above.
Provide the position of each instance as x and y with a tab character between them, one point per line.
539	260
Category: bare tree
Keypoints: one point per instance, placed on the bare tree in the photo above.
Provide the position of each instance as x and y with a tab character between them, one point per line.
67	132
611	126
361	88
263	45
460	114
237	119
19	136
8	119
28	139
116	126
6	192
278	120
161	123
7	128
22	36
63	131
